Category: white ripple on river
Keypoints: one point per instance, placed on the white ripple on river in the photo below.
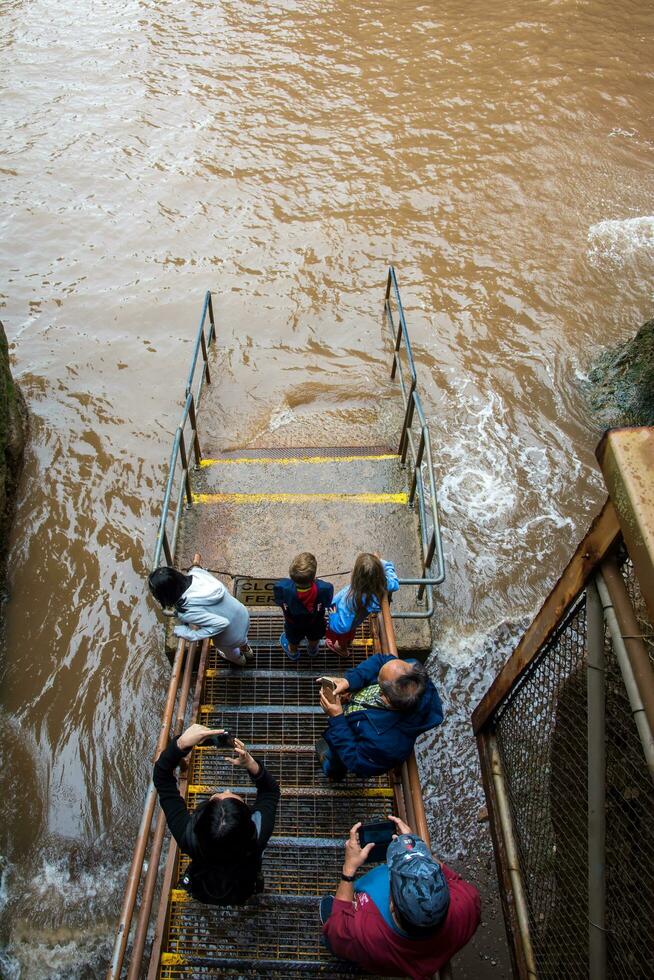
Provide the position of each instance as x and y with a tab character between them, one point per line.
618	240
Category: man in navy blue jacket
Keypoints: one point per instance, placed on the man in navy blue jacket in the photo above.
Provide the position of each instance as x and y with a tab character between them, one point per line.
388	703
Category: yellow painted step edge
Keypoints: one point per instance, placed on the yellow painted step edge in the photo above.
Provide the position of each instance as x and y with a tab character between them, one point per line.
378	792
290	498
293	460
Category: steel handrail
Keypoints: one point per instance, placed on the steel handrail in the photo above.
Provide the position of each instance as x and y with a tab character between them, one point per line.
409	775
166	544
432	544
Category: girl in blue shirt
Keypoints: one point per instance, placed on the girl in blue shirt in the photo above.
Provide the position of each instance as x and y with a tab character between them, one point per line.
372	578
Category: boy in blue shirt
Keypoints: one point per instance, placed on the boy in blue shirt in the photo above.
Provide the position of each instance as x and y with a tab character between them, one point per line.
304	600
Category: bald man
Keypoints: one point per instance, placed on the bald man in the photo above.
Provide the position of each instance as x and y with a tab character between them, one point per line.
377	711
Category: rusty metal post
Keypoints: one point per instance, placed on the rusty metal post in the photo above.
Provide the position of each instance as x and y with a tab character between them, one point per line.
637	708
595	683
429	557
166	885
150	881
416	468
134	876
166	548
415	807
631	633
513	860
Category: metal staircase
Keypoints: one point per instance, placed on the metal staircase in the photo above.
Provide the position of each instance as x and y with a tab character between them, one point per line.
272	707
248	512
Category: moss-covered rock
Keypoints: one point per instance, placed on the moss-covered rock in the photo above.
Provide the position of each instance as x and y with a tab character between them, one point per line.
13	435
620	386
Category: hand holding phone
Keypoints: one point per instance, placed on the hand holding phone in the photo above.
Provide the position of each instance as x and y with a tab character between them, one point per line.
380	834
327	687
224	740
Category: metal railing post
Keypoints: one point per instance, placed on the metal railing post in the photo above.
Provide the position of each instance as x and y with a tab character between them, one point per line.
408	420
205	358
166	549
133	878
147	895
595	684
513	858
417	465
631	685
194	426
187	479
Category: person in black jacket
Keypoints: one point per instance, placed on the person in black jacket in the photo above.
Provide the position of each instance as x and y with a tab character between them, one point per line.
224	837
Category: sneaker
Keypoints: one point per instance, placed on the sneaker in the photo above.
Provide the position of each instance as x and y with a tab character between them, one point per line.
325	908
322	750
283	642
247	651
234	658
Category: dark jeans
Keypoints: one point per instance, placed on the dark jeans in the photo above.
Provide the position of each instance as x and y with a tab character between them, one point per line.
330	761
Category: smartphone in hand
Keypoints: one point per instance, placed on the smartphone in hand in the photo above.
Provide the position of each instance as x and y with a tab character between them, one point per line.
380	834
327	686
223	741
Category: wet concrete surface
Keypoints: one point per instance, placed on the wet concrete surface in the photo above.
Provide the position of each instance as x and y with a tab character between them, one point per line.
261	536
348	476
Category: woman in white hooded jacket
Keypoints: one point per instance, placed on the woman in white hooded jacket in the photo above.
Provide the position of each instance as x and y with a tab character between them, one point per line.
204	608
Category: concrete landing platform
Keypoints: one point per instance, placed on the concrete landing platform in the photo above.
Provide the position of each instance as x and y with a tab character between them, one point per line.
380	473
259	499
253	515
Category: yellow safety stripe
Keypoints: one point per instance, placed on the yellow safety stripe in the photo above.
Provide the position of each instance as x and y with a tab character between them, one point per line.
288	498
293	460
197	789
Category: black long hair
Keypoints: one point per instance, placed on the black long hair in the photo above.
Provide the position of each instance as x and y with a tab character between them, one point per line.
167	585
224	831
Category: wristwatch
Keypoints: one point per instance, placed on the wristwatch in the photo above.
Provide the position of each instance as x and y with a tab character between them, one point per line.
345	877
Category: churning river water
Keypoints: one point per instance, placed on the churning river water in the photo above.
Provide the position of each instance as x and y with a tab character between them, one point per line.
282	154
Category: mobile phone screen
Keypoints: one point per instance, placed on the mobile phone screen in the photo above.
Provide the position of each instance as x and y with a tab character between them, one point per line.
380	834
223	741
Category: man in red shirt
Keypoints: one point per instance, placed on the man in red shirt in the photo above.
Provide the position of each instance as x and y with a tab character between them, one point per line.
407	917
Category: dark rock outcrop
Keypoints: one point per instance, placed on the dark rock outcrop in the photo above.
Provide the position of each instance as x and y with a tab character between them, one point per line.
13	435
620	386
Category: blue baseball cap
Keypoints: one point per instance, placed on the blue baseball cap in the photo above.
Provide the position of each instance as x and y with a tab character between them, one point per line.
418	886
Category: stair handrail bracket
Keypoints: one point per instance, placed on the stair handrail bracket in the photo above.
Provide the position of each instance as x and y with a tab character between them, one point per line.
186	449
415	452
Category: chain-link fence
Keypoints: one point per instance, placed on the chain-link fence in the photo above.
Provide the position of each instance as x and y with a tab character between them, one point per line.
540	730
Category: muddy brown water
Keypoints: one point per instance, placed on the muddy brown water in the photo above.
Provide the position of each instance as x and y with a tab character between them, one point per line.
281	154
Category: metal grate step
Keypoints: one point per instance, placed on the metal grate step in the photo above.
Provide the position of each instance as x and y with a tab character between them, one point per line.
293	766
322	815
271	930
272	704
301	866
283	728
237	686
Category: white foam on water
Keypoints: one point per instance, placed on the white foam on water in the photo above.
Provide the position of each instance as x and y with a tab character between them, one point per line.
463	665
498	489
280	418
615	240
62	914
618	131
